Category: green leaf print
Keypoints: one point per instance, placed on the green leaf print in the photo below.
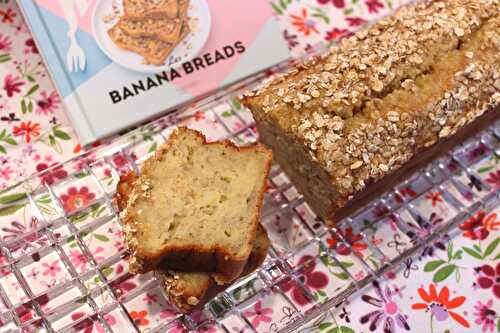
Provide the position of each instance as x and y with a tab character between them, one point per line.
491	247
61	134
9	210
280	6
432	265
341	329
498	325
484	169
12	198
324	326
102	238
341	276
4	58
443	273
472	253
153	147
107	271
32	90
450	251
24	108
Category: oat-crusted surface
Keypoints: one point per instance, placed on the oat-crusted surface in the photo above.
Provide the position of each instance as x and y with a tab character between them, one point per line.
368	106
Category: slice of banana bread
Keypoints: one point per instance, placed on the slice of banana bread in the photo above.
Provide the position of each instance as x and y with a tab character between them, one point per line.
164	29
191	290
151	8
196	206
154	51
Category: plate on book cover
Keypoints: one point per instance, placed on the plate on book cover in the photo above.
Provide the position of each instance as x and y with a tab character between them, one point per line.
107	13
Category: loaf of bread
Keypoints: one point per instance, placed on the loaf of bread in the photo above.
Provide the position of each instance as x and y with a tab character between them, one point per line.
151	8
191	290
352	123
196	206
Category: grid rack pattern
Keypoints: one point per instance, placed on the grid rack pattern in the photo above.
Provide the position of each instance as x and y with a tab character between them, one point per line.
64	267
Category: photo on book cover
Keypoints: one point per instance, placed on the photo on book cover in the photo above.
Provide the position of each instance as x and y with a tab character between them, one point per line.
117	63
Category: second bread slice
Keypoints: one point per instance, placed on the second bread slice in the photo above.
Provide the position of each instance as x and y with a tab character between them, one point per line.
196	206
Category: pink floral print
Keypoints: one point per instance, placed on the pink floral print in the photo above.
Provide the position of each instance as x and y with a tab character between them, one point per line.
51	269
259	314
485	315
48	103
12	84
5	43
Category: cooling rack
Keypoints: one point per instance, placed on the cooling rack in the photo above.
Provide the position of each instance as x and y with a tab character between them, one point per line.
63	265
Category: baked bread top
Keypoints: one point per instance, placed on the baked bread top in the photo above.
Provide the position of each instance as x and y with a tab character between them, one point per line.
153	51
141	8
365	108
191	190
165	29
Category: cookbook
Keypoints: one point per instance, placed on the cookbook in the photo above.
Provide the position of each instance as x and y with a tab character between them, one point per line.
117	63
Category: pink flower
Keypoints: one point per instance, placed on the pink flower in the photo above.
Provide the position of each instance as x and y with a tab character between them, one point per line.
5	43
494	179
78	259
259	314
76	198
5	172
52	176
374	5
97	258
31	46
336	3
485	315
52	269
48	103
167	313
119	246
335	33
12	84
109	319
150	298
355	21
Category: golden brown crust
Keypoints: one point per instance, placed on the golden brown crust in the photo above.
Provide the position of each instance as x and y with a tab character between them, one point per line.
153	50
351	117
142	8
225	265
188	296
167	30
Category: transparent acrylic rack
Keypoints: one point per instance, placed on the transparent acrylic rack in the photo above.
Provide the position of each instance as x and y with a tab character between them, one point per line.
64	268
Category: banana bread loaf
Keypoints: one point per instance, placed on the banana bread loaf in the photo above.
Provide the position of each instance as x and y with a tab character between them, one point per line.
196	206
352	123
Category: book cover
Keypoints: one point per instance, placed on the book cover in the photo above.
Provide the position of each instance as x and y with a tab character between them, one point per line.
117	63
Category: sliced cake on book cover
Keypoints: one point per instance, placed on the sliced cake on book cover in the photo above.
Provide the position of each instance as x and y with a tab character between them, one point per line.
117	63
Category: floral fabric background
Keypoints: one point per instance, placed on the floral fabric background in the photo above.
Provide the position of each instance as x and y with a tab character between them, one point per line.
450	286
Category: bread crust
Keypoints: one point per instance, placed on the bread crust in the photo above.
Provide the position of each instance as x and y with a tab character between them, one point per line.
225	266
187	299
349	125
169	9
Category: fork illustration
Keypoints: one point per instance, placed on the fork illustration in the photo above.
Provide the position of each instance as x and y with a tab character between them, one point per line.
75	58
